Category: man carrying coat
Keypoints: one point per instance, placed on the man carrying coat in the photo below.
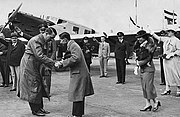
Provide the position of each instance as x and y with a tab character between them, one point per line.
80	81
32	87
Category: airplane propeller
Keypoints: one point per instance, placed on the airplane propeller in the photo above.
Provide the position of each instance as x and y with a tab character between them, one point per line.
11	17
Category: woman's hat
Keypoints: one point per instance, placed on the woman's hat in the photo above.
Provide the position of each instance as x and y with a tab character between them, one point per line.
170	30
141	33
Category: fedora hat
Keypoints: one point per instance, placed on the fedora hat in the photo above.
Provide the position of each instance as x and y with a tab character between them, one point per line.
141	33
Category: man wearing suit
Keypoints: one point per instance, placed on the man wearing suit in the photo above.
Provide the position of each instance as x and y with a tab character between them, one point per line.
103	54
3	63
163	82
121	50
80	82
14	54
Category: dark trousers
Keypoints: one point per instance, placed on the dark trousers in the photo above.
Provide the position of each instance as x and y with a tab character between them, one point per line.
121	70
36	107
78	108
88	65
162	71
4	72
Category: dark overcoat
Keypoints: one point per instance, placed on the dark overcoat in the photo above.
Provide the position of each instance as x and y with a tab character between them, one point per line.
80	81
31	86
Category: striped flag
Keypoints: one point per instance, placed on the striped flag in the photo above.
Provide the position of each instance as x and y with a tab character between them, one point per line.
169	16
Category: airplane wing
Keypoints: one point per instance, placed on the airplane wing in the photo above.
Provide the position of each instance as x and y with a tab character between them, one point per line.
29	23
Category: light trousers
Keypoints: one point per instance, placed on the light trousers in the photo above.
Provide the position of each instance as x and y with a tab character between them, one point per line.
14	75
103	66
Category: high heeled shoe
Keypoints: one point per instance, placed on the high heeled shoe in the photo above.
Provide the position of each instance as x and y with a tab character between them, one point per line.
147	108
157	106
166	92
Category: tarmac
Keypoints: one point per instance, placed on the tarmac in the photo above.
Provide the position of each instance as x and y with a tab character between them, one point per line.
110	99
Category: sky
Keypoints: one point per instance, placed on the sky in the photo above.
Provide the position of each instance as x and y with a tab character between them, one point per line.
101	15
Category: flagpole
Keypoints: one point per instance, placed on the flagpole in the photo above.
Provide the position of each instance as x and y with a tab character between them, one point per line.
173	13
136	12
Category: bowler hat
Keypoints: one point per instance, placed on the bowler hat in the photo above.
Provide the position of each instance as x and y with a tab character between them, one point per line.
14	34
141	33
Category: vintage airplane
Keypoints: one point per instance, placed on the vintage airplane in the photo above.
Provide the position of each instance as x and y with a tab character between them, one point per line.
28	24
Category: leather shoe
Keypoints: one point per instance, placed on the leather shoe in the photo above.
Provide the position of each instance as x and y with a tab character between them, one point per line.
44	111
1	85
6	85
13	90
101	76
120	82
38	113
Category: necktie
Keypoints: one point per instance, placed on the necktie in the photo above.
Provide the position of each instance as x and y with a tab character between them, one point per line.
102	46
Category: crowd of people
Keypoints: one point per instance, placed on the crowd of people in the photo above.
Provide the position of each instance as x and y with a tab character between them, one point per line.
29	66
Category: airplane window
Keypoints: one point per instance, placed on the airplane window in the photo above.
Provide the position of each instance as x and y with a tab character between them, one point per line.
87	31
76	29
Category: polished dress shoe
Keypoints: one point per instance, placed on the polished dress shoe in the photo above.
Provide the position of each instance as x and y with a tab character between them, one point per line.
101	76
157	106
13	90
6	85
147	108
166	92
118	82
38	113
44	111
177	94
1	85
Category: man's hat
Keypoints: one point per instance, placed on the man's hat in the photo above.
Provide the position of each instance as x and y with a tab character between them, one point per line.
119	34
141	33
85	38
14	34
42	26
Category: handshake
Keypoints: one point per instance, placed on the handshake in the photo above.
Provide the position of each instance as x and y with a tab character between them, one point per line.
58	64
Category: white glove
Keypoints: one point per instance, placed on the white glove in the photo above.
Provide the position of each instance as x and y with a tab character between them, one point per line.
136	70
169	55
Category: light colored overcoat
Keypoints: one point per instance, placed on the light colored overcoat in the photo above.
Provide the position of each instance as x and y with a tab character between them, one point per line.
80	81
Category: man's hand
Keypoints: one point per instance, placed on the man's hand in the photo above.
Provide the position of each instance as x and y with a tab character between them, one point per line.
169	55
58	64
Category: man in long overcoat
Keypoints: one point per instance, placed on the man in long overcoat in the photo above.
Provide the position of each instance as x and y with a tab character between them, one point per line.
31	84
80	81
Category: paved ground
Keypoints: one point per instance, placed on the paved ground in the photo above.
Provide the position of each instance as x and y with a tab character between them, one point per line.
110	100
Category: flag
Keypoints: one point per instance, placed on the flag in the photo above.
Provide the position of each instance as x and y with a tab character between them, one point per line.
170	16
170	20
134	22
